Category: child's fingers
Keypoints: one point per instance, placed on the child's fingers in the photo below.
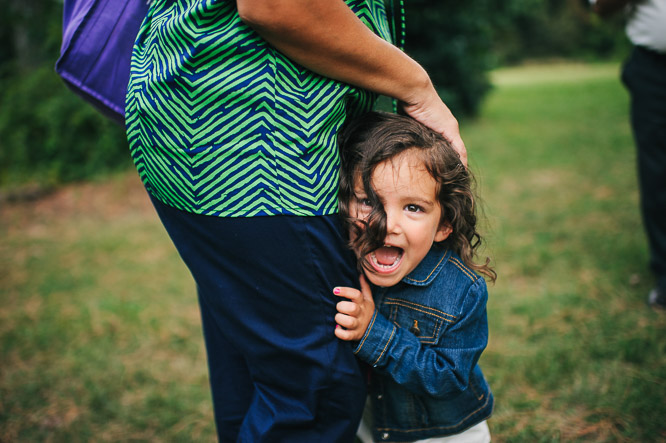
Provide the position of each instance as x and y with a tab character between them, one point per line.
366	292
348	308
347	328
343	320
350	293
351	317
344	334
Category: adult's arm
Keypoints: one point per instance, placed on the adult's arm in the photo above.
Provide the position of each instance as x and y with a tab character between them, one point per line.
326	37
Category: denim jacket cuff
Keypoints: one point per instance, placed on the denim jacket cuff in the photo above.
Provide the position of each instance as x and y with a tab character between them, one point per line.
374	344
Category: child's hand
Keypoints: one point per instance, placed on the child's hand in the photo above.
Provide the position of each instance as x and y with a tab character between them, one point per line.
354	315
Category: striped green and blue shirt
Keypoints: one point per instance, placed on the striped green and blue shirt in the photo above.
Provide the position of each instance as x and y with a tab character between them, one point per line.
220	123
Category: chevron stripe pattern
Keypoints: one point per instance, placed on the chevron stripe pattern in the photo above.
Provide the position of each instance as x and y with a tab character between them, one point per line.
219	123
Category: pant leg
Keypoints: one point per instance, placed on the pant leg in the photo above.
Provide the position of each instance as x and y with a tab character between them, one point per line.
231	401
265	286
644	75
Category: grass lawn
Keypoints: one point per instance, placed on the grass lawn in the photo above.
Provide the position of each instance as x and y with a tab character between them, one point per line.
100	337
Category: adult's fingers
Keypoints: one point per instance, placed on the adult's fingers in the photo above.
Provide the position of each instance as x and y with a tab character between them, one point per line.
433	112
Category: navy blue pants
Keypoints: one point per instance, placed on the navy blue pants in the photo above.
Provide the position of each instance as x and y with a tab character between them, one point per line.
277	371
644	74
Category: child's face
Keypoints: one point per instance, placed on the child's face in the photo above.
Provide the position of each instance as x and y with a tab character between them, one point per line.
408	194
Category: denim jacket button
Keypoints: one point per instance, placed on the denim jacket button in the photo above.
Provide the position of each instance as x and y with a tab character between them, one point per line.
380	396
415	328
385	436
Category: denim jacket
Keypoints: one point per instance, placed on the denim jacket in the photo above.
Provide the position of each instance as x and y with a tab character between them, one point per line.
423	343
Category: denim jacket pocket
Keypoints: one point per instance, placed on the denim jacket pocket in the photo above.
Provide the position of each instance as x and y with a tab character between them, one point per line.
426	323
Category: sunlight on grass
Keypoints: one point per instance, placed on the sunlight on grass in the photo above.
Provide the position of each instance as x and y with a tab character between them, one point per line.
553	73
100	336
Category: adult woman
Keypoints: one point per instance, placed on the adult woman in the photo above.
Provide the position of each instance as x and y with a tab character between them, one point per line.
232	113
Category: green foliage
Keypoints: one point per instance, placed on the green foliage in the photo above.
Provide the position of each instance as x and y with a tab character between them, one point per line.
528	29
49	135
459	42
452	40
29	32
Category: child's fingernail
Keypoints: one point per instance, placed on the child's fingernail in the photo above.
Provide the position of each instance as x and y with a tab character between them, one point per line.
336	291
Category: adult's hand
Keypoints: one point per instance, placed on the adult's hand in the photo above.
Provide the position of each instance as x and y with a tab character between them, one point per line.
432	112
326	37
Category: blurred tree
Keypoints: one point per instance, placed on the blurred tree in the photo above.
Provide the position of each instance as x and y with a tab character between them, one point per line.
47	134
30	31
529	29
458	42
452	40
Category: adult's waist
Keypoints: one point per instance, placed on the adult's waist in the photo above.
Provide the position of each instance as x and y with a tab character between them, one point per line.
649	52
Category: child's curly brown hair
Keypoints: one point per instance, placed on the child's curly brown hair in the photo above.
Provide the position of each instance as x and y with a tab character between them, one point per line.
376	137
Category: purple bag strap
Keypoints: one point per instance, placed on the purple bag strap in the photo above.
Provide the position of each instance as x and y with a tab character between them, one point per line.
97	41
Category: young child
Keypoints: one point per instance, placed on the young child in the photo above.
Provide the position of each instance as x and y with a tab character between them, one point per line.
421	322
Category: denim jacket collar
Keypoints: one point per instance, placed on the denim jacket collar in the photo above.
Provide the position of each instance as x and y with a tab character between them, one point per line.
430	266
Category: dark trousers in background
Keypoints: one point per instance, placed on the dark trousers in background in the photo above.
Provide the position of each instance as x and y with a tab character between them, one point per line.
644	75
277	371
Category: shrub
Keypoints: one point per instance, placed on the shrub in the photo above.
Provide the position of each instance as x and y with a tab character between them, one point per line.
452	40
50	135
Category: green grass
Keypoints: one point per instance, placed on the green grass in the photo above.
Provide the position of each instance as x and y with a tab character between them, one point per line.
99	327
100	336
574	353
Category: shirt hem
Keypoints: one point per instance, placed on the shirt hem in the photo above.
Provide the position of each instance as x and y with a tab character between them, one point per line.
266	212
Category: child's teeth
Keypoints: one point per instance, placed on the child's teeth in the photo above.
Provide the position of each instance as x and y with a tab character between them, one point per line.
374	260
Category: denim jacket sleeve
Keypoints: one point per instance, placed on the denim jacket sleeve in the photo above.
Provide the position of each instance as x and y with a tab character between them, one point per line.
439	368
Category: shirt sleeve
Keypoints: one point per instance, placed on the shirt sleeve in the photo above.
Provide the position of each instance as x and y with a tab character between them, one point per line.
438	370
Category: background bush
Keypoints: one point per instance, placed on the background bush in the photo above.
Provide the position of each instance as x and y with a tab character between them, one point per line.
459	42
453	41
533	29
48	135
51	136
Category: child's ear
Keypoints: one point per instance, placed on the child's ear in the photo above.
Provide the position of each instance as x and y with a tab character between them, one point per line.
443	232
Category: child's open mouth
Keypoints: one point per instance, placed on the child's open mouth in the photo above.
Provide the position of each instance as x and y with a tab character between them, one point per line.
386	259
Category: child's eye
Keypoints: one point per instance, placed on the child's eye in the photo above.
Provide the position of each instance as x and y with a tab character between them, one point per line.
364	201
413	208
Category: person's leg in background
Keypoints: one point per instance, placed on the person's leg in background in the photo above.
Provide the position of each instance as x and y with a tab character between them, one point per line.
645	77
265	287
